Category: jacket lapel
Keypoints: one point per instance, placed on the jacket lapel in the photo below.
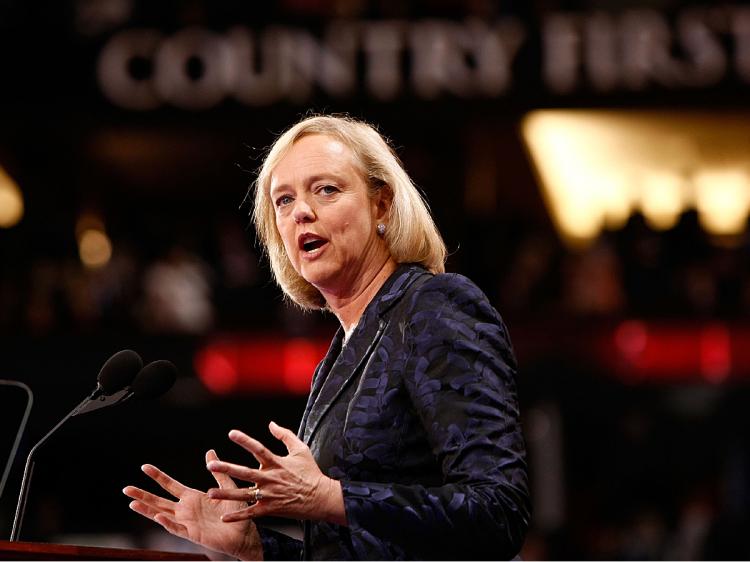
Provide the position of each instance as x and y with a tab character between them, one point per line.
319	377
344	370
335	373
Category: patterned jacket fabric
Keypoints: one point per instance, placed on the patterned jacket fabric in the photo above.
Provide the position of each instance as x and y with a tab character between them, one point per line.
417	416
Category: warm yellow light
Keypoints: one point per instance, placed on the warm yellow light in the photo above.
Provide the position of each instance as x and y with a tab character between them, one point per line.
569	184
616	199
596	166
722	198
579	215
94	248
11	201
662	199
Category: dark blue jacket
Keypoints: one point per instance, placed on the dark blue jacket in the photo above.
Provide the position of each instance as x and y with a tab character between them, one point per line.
417	416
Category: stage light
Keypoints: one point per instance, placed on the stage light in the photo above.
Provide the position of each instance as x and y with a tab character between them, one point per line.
11	201
301	356
217	371
673	352
259	364
573	154
596	167
662	199
722	200
616	199
565	193
94	248
715	353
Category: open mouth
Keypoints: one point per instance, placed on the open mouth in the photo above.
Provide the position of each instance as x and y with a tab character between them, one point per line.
310	243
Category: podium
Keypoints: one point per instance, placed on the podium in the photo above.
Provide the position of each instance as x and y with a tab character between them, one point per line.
48	551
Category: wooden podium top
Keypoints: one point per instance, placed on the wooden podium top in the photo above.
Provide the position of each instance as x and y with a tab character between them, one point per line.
48	551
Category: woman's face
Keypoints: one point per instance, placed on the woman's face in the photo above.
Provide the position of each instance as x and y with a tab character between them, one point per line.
325	216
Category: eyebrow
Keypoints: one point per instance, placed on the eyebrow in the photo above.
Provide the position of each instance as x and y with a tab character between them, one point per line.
309	181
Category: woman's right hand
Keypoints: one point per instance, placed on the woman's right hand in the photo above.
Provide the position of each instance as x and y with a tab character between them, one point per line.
196	517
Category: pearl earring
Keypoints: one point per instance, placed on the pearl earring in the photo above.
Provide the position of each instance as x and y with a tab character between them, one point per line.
381	229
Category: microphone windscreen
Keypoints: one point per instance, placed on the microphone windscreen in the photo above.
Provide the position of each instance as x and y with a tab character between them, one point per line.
154	380
119	371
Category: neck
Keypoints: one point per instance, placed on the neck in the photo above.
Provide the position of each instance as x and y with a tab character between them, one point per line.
348	308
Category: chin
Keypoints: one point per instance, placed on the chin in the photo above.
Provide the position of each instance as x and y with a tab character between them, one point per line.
319	276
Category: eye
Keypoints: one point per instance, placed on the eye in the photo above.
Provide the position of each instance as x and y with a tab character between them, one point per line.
283	200
328	189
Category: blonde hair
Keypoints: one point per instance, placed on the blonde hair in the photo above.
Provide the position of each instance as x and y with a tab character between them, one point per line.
411	236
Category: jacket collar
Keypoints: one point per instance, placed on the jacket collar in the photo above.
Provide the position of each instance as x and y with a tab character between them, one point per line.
395	287
387	296
343	363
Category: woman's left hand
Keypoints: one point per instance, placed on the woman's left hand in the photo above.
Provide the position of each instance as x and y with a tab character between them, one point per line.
288	486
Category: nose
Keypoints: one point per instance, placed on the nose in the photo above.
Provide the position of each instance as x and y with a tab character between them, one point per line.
303	212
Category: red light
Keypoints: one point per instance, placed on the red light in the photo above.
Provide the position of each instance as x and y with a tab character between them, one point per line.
264	365
631	338
217	372
300	359
675	352
715	353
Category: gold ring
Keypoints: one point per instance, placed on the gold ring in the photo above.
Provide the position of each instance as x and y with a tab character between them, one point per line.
254	495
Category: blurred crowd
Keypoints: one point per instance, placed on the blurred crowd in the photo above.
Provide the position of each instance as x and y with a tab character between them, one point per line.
181	288
221	283
635	271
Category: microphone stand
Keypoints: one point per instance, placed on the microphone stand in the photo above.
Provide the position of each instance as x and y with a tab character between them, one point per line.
29	469
14	449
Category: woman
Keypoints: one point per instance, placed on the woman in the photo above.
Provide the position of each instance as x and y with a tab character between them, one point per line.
410	444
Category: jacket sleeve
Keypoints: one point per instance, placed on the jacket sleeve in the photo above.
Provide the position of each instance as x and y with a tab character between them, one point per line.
278	546
460	376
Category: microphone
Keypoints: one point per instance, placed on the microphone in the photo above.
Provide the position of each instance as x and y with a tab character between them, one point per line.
116	373
152	381
112	382
155	379
21	427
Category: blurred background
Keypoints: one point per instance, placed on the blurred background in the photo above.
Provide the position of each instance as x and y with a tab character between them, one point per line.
588	162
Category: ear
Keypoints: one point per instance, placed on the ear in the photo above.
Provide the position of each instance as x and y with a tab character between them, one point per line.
382	202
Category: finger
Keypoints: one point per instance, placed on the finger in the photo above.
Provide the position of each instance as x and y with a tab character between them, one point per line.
286	436
235	470
143	509
148	498
222	479
171	525
238	494
164	480
254	447
243	514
